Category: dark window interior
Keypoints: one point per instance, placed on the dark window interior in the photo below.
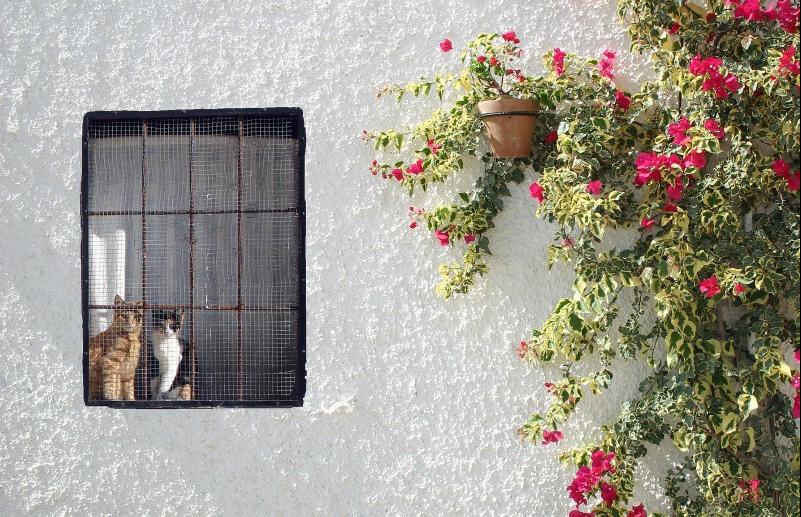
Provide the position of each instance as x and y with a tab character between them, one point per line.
201	212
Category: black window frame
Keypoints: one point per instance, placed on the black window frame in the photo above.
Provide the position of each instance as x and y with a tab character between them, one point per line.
299	133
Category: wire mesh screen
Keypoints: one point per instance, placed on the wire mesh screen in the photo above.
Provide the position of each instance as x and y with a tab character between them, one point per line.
193	258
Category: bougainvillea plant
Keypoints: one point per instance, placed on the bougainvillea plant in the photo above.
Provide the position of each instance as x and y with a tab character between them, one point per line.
701	166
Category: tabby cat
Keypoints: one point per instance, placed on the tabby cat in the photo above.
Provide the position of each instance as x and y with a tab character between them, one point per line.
114	353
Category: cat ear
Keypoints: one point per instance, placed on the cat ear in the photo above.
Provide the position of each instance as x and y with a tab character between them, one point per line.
118	300
180	314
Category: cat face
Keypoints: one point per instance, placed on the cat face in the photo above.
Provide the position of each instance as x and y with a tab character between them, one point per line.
128	316
168	323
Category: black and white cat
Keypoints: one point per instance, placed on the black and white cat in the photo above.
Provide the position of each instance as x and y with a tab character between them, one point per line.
171	350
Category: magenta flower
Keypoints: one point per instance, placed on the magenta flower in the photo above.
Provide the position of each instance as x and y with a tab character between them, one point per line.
678	131
608	493
622	100
787	16
646	223
551	437
709	286
481	59
397	173
788	65
781	168
695	159
713	127
602	462
415	168
469	238
446	45
670	208
594	187
558	61
739	288
510	36
675	191
637	511
674	28
607	64
443	237
522	348
551	138
435	147
579	513
536	191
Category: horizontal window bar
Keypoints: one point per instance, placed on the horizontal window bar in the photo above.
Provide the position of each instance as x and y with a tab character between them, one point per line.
206	307
194	212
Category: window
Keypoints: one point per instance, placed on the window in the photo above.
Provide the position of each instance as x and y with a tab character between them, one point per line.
193	258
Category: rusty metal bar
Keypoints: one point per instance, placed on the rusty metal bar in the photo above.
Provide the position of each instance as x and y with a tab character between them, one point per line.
187	212
143	349
239	366
193	383
170	306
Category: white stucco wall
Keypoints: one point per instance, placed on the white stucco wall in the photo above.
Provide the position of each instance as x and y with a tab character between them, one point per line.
435	392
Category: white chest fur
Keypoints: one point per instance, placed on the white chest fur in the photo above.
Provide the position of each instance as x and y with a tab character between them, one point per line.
167	349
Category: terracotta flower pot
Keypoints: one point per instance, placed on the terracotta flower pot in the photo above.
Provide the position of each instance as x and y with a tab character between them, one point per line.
510	125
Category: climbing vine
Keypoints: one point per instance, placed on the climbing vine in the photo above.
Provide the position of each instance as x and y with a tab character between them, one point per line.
701	166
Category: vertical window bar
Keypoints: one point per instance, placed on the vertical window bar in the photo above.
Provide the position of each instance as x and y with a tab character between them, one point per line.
193	376
144	350
239	368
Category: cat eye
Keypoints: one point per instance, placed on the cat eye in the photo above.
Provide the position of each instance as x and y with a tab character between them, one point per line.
198	215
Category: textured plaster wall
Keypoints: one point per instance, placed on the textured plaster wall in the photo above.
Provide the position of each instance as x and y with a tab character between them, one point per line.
413	403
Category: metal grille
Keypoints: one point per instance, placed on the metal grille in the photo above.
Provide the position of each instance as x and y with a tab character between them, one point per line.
201	212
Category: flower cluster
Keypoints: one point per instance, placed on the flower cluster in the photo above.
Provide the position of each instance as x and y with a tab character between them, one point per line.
782	170
714	80
782	12
589	478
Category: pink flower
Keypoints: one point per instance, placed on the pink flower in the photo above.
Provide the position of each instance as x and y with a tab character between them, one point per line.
494	61
443	237
674	28
695	159
602	462
637	511
648	168
413	225
713	127
551	138
397	173
469	238
750	10
549	387
709	286
594	187
798	356
446	45
416	167
675	191
536	191
794	182
622	100
584	482
608	493
647	223
787	16
522	348
551	437
781	168
607	64
732	83
704	65
787	63
751	486
510	36
481	59
670	208
739	288
558	61
435	147
711	17
579	513
678	129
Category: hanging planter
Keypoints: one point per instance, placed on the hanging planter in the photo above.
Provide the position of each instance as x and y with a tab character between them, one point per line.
510	125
